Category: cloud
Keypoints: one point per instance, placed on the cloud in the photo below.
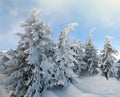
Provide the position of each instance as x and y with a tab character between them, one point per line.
96	10
13	12
107	21
9	40
58	13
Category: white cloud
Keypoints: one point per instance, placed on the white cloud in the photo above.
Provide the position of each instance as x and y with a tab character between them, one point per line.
10	38
13	12
107	21
103	11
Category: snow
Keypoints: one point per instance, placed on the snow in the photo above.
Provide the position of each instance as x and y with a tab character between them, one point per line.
100	86
3	93
71	91
95	86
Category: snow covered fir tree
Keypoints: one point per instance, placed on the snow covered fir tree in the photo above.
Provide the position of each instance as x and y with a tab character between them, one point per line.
79	64
107	59
29	70
64	57
39	63
91	57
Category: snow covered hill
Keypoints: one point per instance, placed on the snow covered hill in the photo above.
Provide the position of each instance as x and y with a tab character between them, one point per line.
96	86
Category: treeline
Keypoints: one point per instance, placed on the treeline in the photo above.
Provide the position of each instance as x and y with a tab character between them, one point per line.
39	63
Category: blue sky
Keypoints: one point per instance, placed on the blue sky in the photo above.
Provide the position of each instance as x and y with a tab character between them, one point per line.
104	15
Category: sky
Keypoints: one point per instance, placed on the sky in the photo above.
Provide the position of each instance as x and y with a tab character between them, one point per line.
102	15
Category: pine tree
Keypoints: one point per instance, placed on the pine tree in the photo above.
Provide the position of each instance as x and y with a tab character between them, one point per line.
64	57
30	69
79	65
91	58
107	59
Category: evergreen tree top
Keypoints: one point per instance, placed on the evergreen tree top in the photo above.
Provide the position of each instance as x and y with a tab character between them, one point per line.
63	34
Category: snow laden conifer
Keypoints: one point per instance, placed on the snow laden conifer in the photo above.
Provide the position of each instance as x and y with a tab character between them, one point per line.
29	71
91	58
107	59
79	65
15	69
64	57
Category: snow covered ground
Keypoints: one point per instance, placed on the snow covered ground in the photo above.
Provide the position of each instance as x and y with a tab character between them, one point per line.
99	86
96	86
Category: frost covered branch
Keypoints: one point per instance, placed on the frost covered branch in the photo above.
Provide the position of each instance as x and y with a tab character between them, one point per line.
63	35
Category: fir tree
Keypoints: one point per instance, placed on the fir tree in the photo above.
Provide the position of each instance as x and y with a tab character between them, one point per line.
79	65
64	57
29	71
16	72
91	58
107	59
